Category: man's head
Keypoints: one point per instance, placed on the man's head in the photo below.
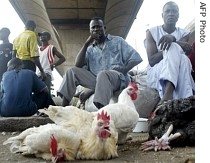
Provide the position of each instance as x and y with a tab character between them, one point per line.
44	36
170	13
30	25
14	64
4	33
97	29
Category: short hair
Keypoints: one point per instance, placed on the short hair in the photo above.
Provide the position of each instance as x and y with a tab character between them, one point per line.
97	18
5	30
170	2
15	63
30	24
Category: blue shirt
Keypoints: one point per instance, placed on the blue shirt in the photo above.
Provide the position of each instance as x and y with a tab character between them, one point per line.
17	88
114	52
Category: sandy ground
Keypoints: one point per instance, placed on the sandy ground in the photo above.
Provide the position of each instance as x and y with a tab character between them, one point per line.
128	152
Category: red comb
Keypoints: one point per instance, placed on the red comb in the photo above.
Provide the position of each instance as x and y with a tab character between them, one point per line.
103	116
132	84
53	145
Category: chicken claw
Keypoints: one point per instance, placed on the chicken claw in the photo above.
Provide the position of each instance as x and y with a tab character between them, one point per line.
157	144
162	143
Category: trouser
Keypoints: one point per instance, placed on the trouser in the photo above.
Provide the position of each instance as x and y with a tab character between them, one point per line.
48	81
104	84
176	68
43	100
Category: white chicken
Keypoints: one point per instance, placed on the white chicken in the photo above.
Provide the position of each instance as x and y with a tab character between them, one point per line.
98	141
123	113
82	123
36	141
101	142
74	119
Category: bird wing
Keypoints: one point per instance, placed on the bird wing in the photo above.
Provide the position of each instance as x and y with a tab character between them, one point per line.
70	117
38	142
124	117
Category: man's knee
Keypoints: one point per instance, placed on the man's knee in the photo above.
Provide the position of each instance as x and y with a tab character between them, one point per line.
106	74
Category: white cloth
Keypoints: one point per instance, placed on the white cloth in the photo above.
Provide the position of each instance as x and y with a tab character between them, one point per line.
46	58
157	32
174	67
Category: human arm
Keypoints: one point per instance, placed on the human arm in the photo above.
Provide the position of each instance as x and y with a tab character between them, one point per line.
38	85
34	54
130	57
60	60
166	40
45	89
184	43
38	64
153	55
80	59
126	68
14	52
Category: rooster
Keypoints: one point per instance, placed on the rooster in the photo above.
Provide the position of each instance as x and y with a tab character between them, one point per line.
40	141
100	140
59	142
123	113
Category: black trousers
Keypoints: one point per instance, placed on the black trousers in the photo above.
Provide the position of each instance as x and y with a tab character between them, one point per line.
43	100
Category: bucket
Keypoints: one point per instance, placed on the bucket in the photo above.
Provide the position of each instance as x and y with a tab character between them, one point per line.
142	125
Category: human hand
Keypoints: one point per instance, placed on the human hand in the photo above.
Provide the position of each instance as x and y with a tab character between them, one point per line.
52	66
131	73
89	40
43	76
165	42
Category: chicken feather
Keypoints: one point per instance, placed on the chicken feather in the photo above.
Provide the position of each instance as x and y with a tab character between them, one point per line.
93	147
79	139
123	113
36	141
71	118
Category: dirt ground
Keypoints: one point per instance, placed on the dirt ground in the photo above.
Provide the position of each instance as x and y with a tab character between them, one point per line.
128	152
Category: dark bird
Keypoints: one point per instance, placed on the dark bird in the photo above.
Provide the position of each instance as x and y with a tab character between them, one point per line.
172	123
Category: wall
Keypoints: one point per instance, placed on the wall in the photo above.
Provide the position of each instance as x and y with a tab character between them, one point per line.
72	39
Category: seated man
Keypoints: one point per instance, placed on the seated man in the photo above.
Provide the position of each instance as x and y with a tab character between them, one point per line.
170	69
101	65
23	92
